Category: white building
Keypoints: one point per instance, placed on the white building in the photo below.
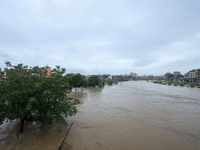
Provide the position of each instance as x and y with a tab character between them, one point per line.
191	74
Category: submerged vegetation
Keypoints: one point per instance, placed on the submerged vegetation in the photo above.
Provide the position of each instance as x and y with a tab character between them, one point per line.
110	82
175	84
159	82
192	85
169	83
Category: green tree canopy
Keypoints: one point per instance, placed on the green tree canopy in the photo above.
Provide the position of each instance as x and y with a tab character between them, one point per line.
178	74
76	80
169	75
110	82
93	80
69	78
28	94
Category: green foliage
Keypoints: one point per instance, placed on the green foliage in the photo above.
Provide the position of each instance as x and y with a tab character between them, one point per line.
68	78
181	84
169	83
192	85
164	83
76	80
85	83
59	130
198	86
93	80
29	95
159	82
110	82
175	84
178	74
100	85
169	75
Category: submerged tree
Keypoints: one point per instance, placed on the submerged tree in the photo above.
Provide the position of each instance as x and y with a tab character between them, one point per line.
93	80
76	80
30	95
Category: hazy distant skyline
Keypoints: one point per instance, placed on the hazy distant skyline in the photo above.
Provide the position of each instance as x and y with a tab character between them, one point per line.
99	36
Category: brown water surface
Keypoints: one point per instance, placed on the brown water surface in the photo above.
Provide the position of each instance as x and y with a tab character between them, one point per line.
134	115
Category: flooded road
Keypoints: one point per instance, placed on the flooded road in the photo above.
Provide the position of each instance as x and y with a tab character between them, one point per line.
134	115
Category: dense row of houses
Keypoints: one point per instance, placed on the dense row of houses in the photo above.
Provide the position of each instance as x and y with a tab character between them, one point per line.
192	76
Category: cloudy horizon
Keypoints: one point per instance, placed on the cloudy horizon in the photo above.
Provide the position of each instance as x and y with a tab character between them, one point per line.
99	36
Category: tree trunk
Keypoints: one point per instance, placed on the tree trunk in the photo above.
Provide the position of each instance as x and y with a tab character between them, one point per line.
21	124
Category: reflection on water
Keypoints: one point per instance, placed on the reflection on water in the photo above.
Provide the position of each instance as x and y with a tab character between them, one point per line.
130	115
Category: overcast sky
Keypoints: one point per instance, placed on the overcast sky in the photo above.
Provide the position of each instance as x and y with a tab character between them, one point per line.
148	37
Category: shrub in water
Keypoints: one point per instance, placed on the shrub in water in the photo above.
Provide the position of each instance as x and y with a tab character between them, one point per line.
181	84
192	85
169	83
175	84
164	83
110	82
160	82
100	85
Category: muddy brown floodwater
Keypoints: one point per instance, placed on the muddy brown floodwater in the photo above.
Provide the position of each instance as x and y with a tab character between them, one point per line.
134	115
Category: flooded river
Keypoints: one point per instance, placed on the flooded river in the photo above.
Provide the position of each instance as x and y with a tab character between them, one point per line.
134	115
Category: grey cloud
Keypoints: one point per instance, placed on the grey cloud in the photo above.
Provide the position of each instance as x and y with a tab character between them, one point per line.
76	70
72	33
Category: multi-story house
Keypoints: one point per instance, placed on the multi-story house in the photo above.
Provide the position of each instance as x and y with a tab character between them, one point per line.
191	75
133	74
48	71
110	77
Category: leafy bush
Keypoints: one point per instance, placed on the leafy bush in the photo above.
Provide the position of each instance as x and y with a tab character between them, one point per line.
169	83
181	84
164	83
160	82
100	85
175	84
192	85
110	82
